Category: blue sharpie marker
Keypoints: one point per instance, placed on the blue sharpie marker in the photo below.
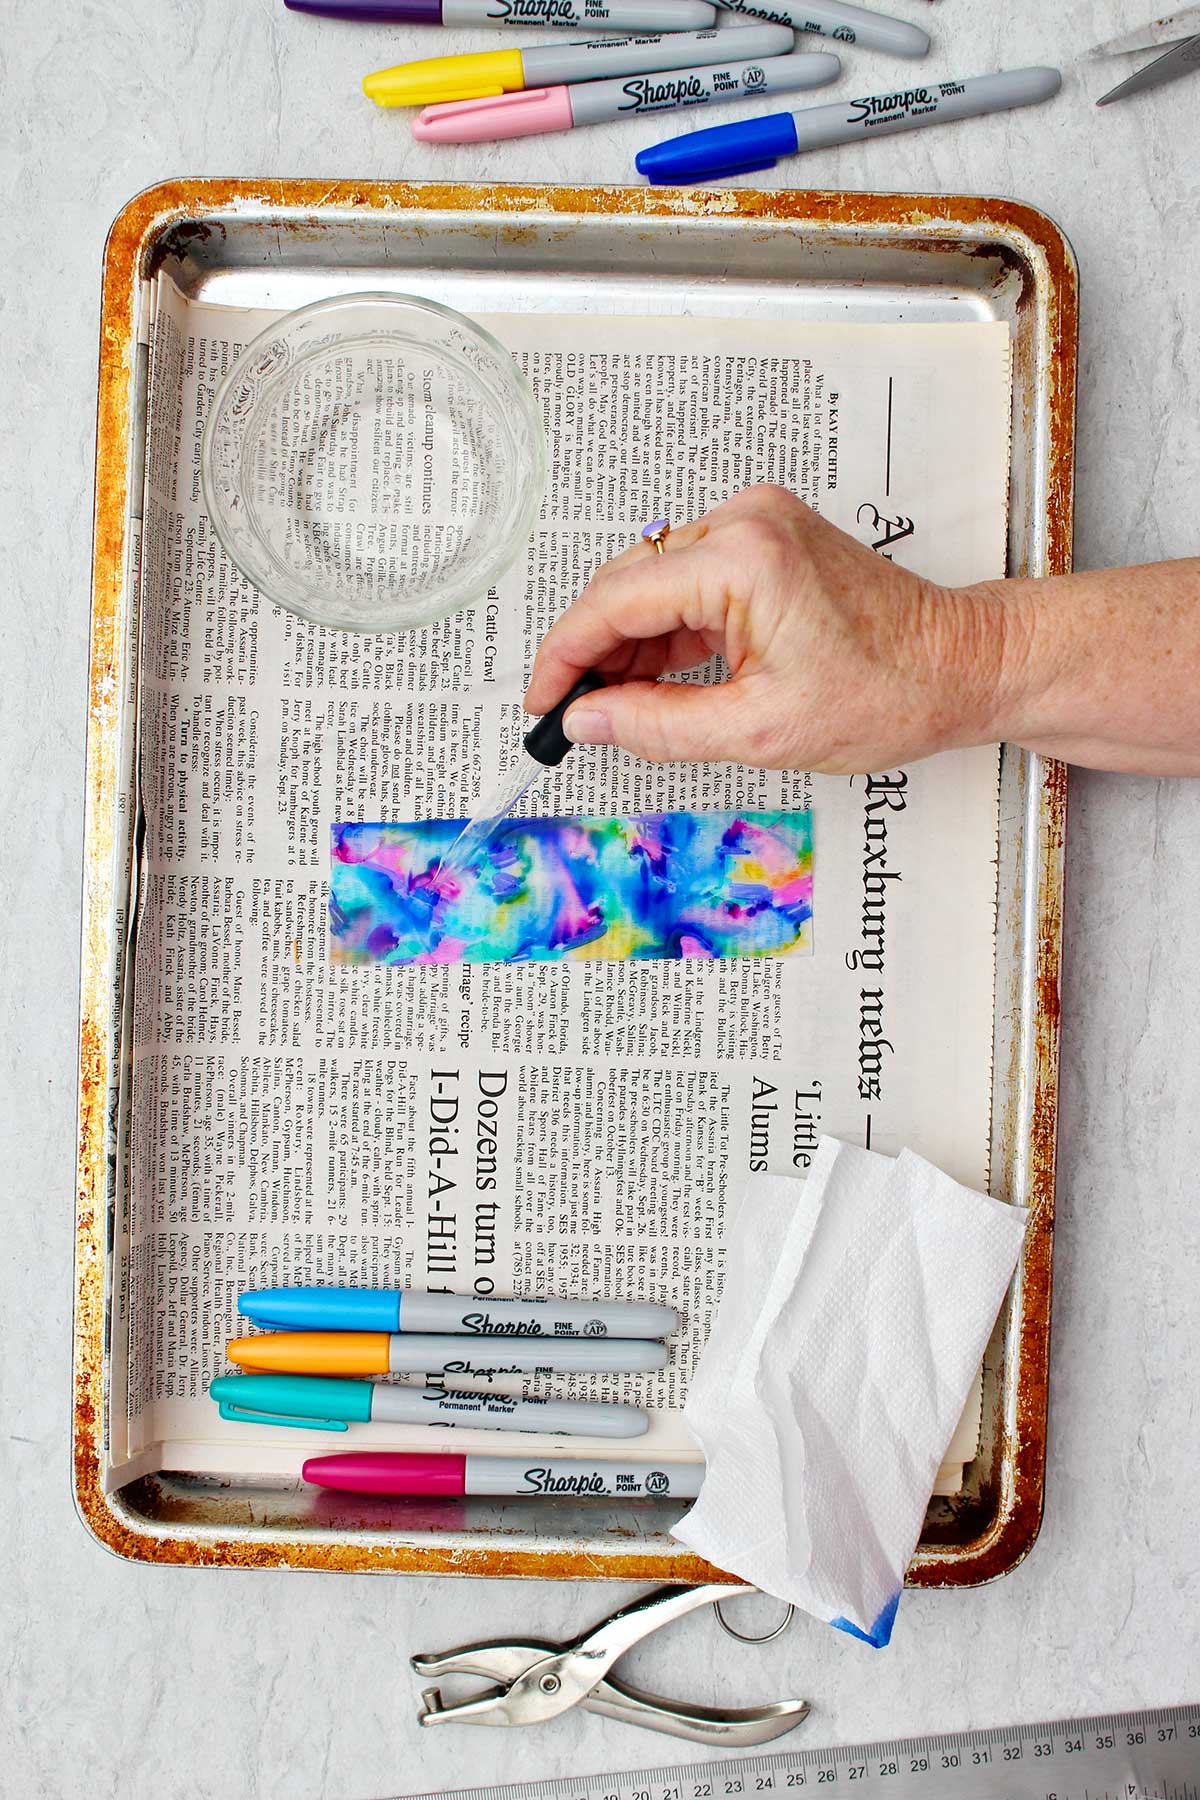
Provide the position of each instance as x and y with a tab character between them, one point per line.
374	1309
749	145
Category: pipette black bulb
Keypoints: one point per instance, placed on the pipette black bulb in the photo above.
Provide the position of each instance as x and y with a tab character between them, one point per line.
546	741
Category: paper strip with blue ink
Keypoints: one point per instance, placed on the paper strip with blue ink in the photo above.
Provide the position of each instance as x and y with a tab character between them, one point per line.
677	884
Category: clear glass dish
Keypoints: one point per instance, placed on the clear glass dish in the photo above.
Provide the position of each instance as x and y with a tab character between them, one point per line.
374	461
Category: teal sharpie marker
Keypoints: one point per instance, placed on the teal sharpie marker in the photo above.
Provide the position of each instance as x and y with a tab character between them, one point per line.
754	144
315	1403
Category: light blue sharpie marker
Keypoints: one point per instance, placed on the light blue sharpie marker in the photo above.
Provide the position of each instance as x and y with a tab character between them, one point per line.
749	145
387	1309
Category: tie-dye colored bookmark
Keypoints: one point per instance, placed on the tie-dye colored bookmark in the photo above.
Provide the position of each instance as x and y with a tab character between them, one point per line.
659	884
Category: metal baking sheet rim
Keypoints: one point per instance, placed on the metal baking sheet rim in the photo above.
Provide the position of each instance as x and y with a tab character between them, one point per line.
1027	1121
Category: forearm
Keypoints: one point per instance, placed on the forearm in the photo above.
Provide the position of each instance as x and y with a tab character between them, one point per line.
841	661
1101	669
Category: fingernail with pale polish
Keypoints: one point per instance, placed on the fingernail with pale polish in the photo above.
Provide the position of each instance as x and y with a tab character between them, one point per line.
583	726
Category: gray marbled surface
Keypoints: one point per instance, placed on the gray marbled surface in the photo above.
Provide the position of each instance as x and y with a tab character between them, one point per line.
140	1682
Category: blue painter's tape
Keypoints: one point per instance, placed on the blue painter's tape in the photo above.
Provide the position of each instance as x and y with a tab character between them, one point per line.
881	1630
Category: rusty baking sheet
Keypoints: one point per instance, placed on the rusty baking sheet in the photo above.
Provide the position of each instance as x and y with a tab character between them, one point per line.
831	255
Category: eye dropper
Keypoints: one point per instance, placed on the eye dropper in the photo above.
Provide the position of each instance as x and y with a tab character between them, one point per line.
546	746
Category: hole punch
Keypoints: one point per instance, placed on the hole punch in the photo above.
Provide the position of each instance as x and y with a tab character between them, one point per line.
535	1680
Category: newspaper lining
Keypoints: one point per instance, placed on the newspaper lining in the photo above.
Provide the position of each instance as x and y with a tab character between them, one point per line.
579	1129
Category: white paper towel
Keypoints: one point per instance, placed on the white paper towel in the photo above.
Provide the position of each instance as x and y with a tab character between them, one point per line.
856	1307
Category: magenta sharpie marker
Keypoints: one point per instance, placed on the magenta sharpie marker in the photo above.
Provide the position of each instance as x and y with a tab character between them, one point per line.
412	1472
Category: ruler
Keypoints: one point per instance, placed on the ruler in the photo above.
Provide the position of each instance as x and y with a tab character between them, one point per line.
1128	1756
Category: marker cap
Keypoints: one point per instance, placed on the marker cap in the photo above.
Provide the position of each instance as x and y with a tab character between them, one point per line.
296	1400
322	1309
447	78
738	149
373	12
389	1472
533	113
355	1353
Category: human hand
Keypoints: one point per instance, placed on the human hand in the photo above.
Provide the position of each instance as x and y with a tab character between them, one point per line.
838	659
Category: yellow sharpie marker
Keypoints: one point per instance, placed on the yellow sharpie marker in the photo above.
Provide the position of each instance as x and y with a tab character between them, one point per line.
490	73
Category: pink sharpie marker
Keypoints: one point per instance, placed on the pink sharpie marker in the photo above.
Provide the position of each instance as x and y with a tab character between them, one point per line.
544	110
435	1472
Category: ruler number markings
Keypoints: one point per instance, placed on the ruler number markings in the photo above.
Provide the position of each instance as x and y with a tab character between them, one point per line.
1058	1760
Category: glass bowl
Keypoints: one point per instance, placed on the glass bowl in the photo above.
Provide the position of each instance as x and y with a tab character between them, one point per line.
374	461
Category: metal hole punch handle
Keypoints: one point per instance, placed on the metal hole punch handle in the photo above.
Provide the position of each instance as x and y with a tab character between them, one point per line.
728	1726
627	1627
496	1660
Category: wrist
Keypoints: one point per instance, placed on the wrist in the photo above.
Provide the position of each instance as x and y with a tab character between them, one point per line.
994	670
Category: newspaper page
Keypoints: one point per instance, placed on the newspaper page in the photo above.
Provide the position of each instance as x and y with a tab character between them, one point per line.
575	1128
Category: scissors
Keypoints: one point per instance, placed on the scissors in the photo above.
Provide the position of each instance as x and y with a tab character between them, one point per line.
535	1680
1180	57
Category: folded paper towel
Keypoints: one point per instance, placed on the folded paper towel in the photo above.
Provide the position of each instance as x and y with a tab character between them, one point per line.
857	1305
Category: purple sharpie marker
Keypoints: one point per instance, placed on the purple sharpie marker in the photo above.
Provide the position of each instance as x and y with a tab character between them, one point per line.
636	16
